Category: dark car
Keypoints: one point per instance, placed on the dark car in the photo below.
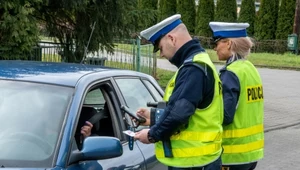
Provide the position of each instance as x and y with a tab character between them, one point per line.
44	105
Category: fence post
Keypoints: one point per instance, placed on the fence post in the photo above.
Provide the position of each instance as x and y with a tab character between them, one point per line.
133	42
138	54
154	65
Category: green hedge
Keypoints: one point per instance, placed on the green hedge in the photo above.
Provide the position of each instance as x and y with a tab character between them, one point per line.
269	46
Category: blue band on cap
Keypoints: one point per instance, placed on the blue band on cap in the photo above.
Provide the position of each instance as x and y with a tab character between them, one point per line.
231	34
165	30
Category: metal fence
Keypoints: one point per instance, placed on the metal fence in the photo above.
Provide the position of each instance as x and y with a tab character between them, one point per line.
44	51
49	52
128	54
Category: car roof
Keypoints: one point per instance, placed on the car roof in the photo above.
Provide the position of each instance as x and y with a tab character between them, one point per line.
66	74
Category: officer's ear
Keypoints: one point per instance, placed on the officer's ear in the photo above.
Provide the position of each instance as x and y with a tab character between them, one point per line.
229	43
172	38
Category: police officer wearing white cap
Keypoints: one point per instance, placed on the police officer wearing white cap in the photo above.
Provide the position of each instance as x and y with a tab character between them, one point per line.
243	135
192	119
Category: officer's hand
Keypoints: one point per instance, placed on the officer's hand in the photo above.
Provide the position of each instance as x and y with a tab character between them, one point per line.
145	113
86	129
142	136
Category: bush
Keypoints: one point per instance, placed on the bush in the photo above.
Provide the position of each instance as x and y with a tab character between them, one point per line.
247	14
226	11
166	8
206	42
266	24
205	14
285	19
187	9
270	46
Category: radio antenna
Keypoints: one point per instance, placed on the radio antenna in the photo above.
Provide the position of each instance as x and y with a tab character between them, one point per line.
86	47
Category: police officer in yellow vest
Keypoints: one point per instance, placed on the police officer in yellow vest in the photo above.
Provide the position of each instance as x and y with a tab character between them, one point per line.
192	119
243	131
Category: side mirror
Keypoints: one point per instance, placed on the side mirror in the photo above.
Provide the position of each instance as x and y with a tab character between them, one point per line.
96	148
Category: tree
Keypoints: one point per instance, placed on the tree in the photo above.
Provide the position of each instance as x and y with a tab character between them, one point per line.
71	22
187	9
226	11
166	8
285	19
150	11
265	27
205	14
247	14
18	28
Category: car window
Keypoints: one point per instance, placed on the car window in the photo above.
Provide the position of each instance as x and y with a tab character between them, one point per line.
154	92
94	97
94	104
135	93
31	121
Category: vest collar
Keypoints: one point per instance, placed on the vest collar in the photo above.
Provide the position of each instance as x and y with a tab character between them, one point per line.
230	60
233	58
189	48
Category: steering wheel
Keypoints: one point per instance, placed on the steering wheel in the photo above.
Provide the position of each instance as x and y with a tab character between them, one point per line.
30	137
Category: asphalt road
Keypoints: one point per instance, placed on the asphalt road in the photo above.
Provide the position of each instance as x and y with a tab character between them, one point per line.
281	150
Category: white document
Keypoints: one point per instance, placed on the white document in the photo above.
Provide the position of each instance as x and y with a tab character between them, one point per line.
129	133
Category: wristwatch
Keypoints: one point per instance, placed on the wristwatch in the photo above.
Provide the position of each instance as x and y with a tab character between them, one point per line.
150	138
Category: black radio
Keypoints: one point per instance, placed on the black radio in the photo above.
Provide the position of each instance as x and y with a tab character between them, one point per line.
158	109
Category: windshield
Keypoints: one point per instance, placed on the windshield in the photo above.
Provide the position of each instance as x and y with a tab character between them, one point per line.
31	117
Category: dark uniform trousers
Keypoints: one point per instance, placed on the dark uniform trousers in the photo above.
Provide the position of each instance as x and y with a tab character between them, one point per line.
249	166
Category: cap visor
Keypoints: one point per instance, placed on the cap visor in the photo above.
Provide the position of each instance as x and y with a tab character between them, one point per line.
155	48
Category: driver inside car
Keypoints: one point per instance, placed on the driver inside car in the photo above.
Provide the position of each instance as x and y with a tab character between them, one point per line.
84	127
86	130
83	132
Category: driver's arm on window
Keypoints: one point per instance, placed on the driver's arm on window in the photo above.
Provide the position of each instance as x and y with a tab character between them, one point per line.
86	130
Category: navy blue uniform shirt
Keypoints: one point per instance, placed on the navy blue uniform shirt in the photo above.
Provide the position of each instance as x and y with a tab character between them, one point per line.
193	88
231	92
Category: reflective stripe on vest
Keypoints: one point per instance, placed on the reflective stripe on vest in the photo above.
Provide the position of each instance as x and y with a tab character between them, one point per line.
191	152
237	133
202	136
244	147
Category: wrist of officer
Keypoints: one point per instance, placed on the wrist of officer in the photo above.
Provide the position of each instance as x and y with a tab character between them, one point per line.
152	118
150	138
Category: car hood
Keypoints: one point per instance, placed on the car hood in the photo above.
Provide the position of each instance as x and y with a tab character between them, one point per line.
8	168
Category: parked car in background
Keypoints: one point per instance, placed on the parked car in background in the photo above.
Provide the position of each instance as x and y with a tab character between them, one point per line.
44	105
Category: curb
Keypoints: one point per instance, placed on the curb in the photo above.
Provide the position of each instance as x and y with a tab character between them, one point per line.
270	129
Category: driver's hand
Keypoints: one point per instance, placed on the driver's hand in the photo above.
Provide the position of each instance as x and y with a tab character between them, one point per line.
145	113
86	129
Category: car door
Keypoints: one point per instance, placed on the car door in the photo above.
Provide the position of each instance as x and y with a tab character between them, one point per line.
113	125
136	92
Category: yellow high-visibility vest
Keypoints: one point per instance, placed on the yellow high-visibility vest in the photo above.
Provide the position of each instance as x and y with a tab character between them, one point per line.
200	143
243	140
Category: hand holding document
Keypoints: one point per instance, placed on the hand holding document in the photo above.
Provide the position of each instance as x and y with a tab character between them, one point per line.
129	133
